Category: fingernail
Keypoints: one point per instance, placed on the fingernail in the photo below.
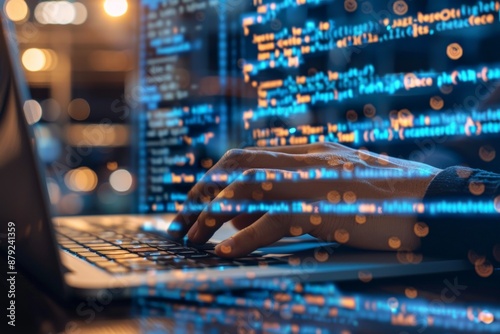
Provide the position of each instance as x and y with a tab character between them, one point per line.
193	231
226	247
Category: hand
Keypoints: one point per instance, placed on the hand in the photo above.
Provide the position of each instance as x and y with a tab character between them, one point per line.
368	231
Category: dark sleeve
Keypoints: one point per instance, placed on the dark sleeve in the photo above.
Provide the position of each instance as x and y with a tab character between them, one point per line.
455	235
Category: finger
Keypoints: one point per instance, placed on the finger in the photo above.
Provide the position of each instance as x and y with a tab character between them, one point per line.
208	188
210	224
245	220
265	231
218	212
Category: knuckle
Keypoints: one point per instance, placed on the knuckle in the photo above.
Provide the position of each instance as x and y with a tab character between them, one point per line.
330	145
251	175
250	172
236	158
234	153
321	147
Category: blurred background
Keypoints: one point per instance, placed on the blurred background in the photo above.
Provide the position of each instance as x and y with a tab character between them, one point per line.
78	58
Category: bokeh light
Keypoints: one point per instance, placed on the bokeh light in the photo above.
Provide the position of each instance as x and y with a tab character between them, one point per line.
454	51
112	165
121	180
411	292
32	111
61	12
80	13
105	135
66	13
115	8
16	10
79	109
82	179
51	110
487	153
34	60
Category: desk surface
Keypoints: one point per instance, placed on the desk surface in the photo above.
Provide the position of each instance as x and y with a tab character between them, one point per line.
454	302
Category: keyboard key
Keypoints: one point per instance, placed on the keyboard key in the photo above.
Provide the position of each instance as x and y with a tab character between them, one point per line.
78	234
86	254
98	244
120	241
206	246
107	234
85	239
161	242
142	249
95	259
66	242
78	249
122	256
136	262
154	253
107	264
161	257
141	265
93	242
117	270
196	256
136	235
173	248
105	248
114	252
135	246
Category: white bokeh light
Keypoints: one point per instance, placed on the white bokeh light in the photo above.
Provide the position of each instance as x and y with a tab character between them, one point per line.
61	12
32	111
115	8
80	13
66	12
34	60
121	180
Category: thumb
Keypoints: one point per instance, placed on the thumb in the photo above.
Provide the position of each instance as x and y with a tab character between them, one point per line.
266	230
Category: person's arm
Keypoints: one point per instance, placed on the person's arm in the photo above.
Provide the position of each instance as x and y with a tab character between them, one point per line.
467	235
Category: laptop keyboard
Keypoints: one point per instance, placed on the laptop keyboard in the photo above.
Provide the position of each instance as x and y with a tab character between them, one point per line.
120	251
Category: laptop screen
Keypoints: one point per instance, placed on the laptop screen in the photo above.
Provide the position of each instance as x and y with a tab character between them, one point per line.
413	79
28	240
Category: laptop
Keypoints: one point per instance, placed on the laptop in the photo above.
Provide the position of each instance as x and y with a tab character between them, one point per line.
80	256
